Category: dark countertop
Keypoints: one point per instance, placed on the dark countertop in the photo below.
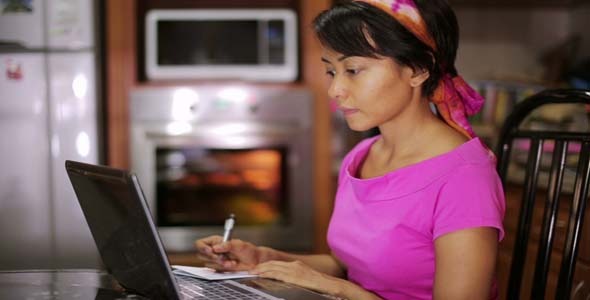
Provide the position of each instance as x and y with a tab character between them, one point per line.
60	284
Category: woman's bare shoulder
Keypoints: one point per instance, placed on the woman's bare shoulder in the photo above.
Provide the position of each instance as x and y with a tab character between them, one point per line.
447	139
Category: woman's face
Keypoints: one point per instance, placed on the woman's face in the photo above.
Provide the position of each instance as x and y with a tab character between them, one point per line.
368	91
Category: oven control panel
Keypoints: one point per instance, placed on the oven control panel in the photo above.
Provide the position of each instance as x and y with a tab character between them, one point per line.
223	102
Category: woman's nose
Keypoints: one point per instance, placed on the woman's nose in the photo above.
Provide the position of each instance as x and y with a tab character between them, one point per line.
337	89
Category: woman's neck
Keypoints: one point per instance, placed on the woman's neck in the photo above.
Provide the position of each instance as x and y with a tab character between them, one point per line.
410	130
416	134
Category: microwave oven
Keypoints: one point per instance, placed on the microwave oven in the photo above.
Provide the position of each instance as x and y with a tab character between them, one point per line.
245	44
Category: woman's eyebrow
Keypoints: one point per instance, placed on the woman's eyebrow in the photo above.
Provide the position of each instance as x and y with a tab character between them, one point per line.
341	58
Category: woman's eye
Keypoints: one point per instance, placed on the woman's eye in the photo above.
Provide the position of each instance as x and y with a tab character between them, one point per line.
330	73
352	71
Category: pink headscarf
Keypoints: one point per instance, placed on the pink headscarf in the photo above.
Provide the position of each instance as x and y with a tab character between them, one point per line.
453	97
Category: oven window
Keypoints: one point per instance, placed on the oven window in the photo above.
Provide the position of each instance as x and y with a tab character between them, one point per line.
201	187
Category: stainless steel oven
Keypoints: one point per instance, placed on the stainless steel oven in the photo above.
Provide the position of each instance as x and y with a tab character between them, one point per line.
203	152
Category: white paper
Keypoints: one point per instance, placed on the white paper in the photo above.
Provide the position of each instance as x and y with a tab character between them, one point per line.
208	273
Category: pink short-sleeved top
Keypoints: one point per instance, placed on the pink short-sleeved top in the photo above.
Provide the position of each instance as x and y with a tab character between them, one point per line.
383	228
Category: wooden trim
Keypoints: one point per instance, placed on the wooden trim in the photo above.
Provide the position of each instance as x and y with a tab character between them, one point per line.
120	54
313	78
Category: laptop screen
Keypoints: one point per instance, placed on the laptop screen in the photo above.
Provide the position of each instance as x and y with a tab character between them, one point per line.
119	220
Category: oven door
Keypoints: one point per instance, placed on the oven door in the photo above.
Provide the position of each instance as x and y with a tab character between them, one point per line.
192	182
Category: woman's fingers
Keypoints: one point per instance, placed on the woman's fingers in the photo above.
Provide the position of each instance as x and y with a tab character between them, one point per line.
205	245
234	245
235	255
220	264
207	253
208	257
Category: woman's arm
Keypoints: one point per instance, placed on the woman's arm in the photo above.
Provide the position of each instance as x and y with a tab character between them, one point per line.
238	255
465	264
298	273
320	272
324	263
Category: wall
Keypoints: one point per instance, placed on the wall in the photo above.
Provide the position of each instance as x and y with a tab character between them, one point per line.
581	25
505	43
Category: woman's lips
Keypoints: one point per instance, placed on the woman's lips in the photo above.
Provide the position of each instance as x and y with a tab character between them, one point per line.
348	111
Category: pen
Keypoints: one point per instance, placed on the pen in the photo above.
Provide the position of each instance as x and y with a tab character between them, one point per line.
228	227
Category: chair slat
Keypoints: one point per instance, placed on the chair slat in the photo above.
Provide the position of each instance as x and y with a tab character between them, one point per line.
574	227
550	216
526	212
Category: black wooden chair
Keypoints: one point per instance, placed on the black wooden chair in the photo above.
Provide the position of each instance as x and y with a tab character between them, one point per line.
559	139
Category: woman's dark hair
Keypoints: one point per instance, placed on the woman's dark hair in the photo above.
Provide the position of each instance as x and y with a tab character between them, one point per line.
360	29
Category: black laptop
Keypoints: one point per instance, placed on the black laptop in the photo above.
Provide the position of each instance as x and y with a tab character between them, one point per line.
120	222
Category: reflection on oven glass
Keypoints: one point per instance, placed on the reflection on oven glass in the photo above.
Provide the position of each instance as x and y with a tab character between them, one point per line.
200	187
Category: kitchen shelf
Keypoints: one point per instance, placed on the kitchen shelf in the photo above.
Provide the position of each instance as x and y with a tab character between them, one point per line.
500	98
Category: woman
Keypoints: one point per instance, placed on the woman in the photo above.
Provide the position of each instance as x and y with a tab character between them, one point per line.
418	211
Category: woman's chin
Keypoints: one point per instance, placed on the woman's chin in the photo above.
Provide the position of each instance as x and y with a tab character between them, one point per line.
358	127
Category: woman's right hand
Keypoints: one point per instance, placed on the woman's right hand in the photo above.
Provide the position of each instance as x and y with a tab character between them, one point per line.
234	255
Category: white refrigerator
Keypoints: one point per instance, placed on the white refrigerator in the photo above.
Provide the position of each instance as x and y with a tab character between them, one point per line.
48	113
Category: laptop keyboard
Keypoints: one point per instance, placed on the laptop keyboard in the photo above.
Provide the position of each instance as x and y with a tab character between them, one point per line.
193	288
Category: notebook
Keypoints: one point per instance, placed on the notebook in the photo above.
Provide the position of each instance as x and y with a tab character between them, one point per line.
208	273
120	222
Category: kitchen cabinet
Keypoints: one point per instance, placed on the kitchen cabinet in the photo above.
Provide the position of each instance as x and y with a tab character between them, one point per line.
581	283
122	74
